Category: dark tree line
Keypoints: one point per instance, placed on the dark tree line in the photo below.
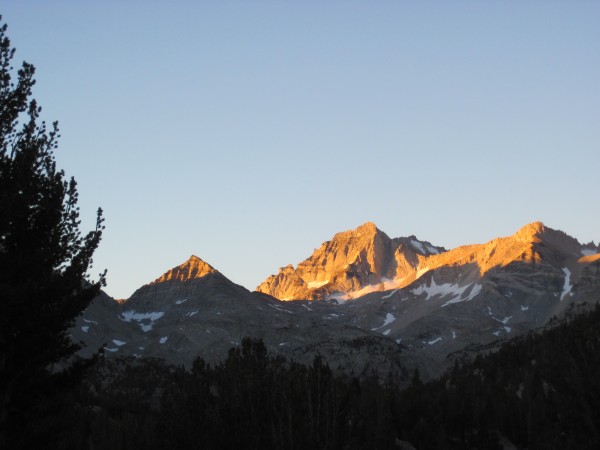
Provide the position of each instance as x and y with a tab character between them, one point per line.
251	400
540	391
44	259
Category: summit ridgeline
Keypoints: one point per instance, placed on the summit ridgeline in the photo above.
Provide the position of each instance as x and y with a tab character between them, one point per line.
349	262
356	262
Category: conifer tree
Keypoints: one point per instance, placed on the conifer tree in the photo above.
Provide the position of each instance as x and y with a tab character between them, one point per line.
44	258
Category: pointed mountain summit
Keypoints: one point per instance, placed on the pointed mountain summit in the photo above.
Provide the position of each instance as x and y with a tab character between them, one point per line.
192	276
183	288
350	262
193	268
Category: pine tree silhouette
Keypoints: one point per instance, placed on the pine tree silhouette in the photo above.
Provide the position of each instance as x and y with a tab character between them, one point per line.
44	258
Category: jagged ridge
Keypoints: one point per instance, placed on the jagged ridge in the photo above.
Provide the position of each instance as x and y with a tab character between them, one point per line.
349	262
359	261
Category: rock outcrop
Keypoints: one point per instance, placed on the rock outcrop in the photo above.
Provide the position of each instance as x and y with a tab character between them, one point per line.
352	261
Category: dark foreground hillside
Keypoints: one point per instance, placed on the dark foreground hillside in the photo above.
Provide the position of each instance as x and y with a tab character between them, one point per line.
538	391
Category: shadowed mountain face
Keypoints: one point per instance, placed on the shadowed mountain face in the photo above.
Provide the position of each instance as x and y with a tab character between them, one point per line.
364	301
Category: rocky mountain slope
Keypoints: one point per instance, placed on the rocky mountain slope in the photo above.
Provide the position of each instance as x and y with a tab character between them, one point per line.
474	296
350	262
193	310
368	303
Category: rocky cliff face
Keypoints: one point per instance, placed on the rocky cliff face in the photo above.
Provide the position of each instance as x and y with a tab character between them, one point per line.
411	305
350	262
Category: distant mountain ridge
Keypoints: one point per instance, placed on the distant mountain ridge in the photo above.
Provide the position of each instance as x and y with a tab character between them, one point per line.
364	260
364	301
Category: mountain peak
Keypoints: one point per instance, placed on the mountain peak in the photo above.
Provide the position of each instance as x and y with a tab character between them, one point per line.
547	240
367	226
348	262
531	232
193	268
367	230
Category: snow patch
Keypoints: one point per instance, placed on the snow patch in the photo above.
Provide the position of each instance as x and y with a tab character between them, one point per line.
567	286
433	250
119	343
389	318
316	284
179	302
163	339
111	349
130	315
502	321
439	289
386	332
279	308
588	252
446	289
389	295
90	321
454	335
384	285
524	308
475	290
418	245
190	314
85	329
434	341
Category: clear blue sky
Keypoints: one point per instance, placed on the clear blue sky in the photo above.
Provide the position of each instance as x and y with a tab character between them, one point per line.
249	132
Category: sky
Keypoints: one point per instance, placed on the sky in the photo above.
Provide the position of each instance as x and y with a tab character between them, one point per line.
250	132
